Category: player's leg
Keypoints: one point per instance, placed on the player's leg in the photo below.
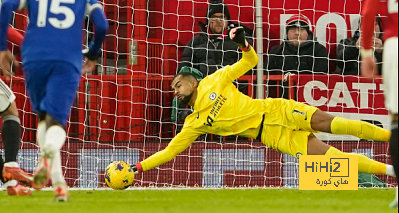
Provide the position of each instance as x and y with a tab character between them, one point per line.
59	183
42	172
324	122
11	131
56	171
311	119
365	164
36	79
54	138
57	104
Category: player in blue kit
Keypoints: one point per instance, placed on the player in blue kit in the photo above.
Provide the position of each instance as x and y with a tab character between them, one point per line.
52	60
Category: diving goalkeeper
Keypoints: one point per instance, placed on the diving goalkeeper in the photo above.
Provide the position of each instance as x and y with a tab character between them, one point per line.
284	125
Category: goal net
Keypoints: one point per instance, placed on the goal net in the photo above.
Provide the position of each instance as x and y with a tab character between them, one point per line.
124	109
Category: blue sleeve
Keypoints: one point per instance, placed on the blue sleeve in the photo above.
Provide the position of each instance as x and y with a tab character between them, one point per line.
7	8
101	29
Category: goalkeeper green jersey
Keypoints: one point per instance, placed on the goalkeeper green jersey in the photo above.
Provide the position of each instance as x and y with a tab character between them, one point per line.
220	109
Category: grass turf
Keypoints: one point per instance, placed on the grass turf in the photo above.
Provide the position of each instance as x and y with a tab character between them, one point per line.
208	201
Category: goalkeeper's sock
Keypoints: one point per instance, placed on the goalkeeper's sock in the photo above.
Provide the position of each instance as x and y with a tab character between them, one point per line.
54	139
365	164
360	129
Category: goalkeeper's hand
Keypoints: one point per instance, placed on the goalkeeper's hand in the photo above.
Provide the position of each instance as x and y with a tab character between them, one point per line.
137	168
237	35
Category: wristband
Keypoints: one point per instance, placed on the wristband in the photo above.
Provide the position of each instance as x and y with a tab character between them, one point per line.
137	168
245	49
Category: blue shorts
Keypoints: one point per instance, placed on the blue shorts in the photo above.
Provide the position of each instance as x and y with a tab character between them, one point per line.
52	86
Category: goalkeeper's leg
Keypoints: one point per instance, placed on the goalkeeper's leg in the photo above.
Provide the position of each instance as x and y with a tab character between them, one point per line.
365	164
324	122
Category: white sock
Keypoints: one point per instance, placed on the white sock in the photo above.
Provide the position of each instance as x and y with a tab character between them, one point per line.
390	171
41	134
56	170
10	183
55	139
11	164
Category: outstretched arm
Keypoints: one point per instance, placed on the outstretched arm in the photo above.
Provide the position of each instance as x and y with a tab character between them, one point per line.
249	58
178	144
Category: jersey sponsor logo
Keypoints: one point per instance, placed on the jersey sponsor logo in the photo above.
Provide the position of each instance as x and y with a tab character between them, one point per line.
220	100
301	113
212	96
209	121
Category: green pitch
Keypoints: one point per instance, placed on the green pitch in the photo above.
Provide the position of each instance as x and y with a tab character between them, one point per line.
207	201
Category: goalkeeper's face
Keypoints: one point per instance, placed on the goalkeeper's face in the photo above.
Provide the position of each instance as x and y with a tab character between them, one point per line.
184	88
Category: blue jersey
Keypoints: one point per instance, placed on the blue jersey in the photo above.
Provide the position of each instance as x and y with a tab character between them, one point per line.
55	30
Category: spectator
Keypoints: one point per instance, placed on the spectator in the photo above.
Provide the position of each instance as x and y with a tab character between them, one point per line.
212	48
348	57
299	53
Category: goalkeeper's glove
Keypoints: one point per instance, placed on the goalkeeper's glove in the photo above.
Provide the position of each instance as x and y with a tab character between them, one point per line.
137	168
237	35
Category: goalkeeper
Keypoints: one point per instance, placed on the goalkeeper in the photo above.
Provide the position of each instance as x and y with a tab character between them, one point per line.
284	125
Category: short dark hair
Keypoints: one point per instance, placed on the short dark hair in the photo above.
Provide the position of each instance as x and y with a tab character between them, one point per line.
185	74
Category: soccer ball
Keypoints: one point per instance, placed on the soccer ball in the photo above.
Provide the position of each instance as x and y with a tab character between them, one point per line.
119	175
